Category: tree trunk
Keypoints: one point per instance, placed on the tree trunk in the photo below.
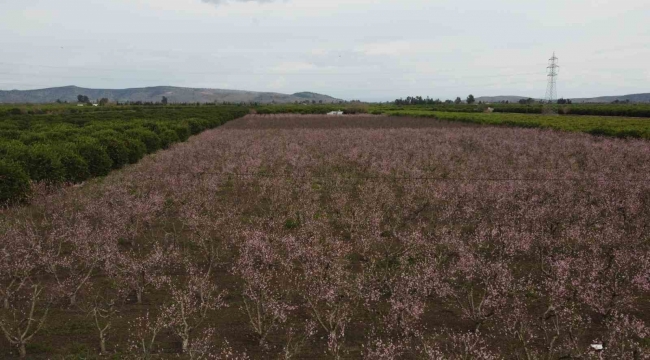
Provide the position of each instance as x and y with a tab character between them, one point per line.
22	350
186	343
6	303
138	295
102	346
73	299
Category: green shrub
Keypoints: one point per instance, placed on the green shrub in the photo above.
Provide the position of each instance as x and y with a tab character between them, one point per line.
99	163
10	134
137	149
14	150
195	126
167	138
115	147
356	109
73	144
183	132
148	137
75	166
32	138
14	182
209	123
44	164
105	132
59	135
212	122
153	126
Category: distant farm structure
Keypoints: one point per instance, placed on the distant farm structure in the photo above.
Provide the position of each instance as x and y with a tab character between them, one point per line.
335	113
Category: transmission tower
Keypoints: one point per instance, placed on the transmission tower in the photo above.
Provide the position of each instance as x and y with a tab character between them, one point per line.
551	88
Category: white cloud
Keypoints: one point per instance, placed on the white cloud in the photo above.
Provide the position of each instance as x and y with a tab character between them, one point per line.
368	49
393	48
277	84
293	66
219	2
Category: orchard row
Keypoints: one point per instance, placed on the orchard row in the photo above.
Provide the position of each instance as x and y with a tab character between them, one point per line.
360	237
73	146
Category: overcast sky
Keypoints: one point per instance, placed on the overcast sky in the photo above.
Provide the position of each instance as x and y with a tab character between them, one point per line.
352	49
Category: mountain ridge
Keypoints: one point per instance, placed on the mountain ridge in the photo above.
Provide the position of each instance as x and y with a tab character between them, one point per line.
174	94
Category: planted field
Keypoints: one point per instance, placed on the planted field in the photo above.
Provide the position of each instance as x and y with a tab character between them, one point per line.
595	125
287	236
59	144
641	110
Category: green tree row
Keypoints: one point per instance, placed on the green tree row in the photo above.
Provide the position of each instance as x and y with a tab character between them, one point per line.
595	125
65	148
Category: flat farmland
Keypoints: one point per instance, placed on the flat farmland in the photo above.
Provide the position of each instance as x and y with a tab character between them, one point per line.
309	236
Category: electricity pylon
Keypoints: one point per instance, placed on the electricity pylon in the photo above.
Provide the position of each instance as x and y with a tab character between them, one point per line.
550	101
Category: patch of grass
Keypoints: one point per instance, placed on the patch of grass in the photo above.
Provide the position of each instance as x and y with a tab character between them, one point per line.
595	125
291	224
39	348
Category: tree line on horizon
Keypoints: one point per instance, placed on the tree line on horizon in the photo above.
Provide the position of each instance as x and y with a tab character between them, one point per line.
419	100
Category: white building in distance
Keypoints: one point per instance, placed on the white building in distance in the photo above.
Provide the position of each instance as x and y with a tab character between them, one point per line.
335	113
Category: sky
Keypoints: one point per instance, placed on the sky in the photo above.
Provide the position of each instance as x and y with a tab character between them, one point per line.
372	50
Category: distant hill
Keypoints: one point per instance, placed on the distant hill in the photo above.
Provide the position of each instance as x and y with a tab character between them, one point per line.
638	98
635	98
154	94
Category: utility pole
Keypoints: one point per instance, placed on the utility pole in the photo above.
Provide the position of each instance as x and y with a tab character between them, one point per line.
550	101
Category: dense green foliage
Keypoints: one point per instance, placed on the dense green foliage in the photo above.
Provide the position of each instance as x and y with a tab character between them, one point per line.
507	114
57	143
597	125
629	110
14	182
